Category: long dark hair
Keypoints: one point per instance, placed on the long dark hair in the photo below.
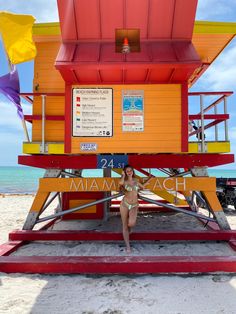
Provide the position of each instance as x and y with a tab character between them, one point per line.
125	168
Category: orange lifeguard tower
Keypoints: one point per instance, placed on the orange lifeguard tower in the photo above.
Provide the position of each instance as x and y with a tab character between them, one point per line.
111	87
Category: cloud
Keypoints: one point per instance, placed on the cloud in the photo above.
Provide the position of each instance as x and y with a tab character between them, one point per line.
11	134
11	147
42	10
222	72
9	121
216	10
232	132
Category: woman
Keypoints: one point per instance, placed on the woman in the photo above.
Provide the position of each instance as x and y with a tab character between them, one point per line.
129	204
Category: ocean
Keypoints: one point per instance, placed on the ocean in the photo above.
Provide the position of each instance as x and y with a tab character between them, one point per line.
24	180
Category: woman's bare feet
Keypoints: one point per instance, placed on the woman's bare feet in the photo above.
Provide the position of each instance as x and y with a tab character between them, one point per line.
128	250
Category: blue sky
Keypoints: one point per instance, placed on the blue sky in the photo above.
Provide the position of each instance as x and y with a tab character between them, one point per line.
219	77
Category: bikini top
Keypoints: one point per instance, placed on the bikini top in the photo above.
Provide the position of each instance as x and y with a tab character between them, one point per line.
130	188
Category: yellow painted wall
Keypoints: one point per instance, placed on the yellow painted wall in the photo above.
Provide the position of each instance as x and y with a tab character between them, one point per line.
162	123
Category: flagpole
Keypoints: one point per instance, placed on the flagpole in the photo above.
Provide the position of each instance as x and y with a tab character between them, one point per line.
25	130
22	24
22	118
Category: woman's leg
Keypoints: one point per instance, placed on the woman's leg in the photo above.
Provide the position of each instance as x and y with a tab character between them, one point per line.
132	217
124	217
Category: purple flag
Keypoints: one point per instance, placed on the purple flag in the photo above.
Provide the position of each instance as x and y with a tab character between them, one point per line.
10	87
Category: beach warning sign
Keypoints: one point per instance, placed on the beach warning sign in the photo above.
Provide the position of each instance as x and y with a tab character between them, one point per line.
132	110
92	112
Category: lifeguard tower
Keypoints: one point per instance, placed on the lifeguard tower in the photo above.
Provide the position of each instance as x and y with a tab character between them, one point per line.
111	87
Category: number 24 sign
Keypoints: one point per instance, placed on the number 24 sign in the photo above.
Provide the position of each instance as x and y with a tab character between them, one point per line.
110	161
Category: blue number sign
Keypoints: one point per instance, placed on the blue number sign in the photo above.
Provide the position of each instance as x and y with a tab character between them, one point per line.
111	161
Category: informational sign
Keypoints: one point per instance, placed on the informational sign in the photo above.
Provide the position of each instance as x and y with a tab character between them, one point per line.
133	110
92	112
88	147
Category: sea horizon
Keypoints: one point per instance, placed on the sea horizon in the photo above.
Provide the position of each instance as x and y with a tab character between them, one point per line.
24	180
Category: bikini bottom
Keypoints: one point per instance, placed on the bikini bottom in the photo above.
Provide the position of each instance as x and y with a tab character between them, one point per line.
129	206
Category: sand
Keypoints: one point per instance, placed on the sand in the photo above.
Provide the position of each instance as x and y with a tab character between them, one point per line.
170	294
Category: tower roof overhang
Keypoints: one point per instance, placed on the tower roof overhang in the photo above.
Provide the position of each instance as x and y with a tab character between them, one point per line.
88	52
97	63
208	40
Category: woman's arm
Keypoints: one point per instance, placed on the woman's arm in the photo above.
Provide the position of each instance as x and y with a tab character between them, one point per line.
148	179
122	179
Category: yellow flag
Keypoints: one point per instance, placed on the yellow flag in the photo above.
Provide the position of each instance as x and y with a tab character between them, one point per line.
16	32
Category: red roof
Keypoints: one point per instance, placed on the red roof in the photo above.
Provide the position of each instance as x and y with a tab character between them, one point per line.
97	19
87	54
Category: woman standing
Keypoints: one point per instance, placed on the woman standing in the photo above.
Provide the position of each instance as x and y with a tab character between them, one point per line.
129	204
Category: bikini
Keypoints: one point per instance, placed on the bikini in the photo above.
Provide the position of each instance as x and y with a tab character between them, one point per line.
130	188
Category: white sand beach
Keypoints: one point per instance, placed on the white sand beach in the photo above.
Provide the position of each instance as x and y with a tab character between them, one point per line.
170	294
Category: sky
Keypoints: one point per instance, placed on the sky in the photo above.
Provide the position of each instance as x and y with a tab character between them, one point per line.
220	76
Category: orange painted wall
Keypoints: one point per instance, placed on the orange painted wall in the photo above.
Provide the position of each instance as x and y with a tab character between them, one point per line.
48	79
162	123
208	46
45	74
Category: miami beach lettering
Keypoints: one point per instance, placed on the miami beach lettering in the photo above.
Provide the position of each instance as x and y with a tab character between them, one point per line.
170	184
109	184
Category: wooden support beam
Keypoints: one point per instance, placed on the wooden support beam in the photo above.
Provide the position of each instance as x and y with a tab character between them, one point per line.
117	264
85	235
137	161
9	247
111	184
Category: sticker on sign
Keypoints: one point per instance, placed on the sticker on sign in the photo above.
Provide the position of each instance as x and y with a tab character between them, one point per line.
91	147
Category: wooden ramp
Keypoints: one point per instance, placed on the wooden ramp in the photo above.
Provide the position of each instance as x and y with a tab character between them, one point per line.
116	264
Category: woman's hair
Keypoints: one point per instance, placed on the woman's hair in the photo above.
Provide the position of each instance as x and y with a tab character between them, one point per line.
125	168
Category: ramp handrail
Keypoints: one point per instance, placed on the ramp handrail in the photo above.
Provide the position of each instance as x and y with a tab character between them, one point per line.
216	116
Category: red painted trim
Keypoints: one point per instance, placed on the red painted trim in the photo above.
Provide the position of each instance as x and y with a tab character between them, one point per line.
210	93
221	117
87	235
214	227
40	94
49	224
66	197
10	247
203	69
130	82
59	161
184	118
212	105
30	118
68	118
90	216
117	264
146	209
209	125
140	201
150	209
86	65
179	160
30	100
137	161
232	244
